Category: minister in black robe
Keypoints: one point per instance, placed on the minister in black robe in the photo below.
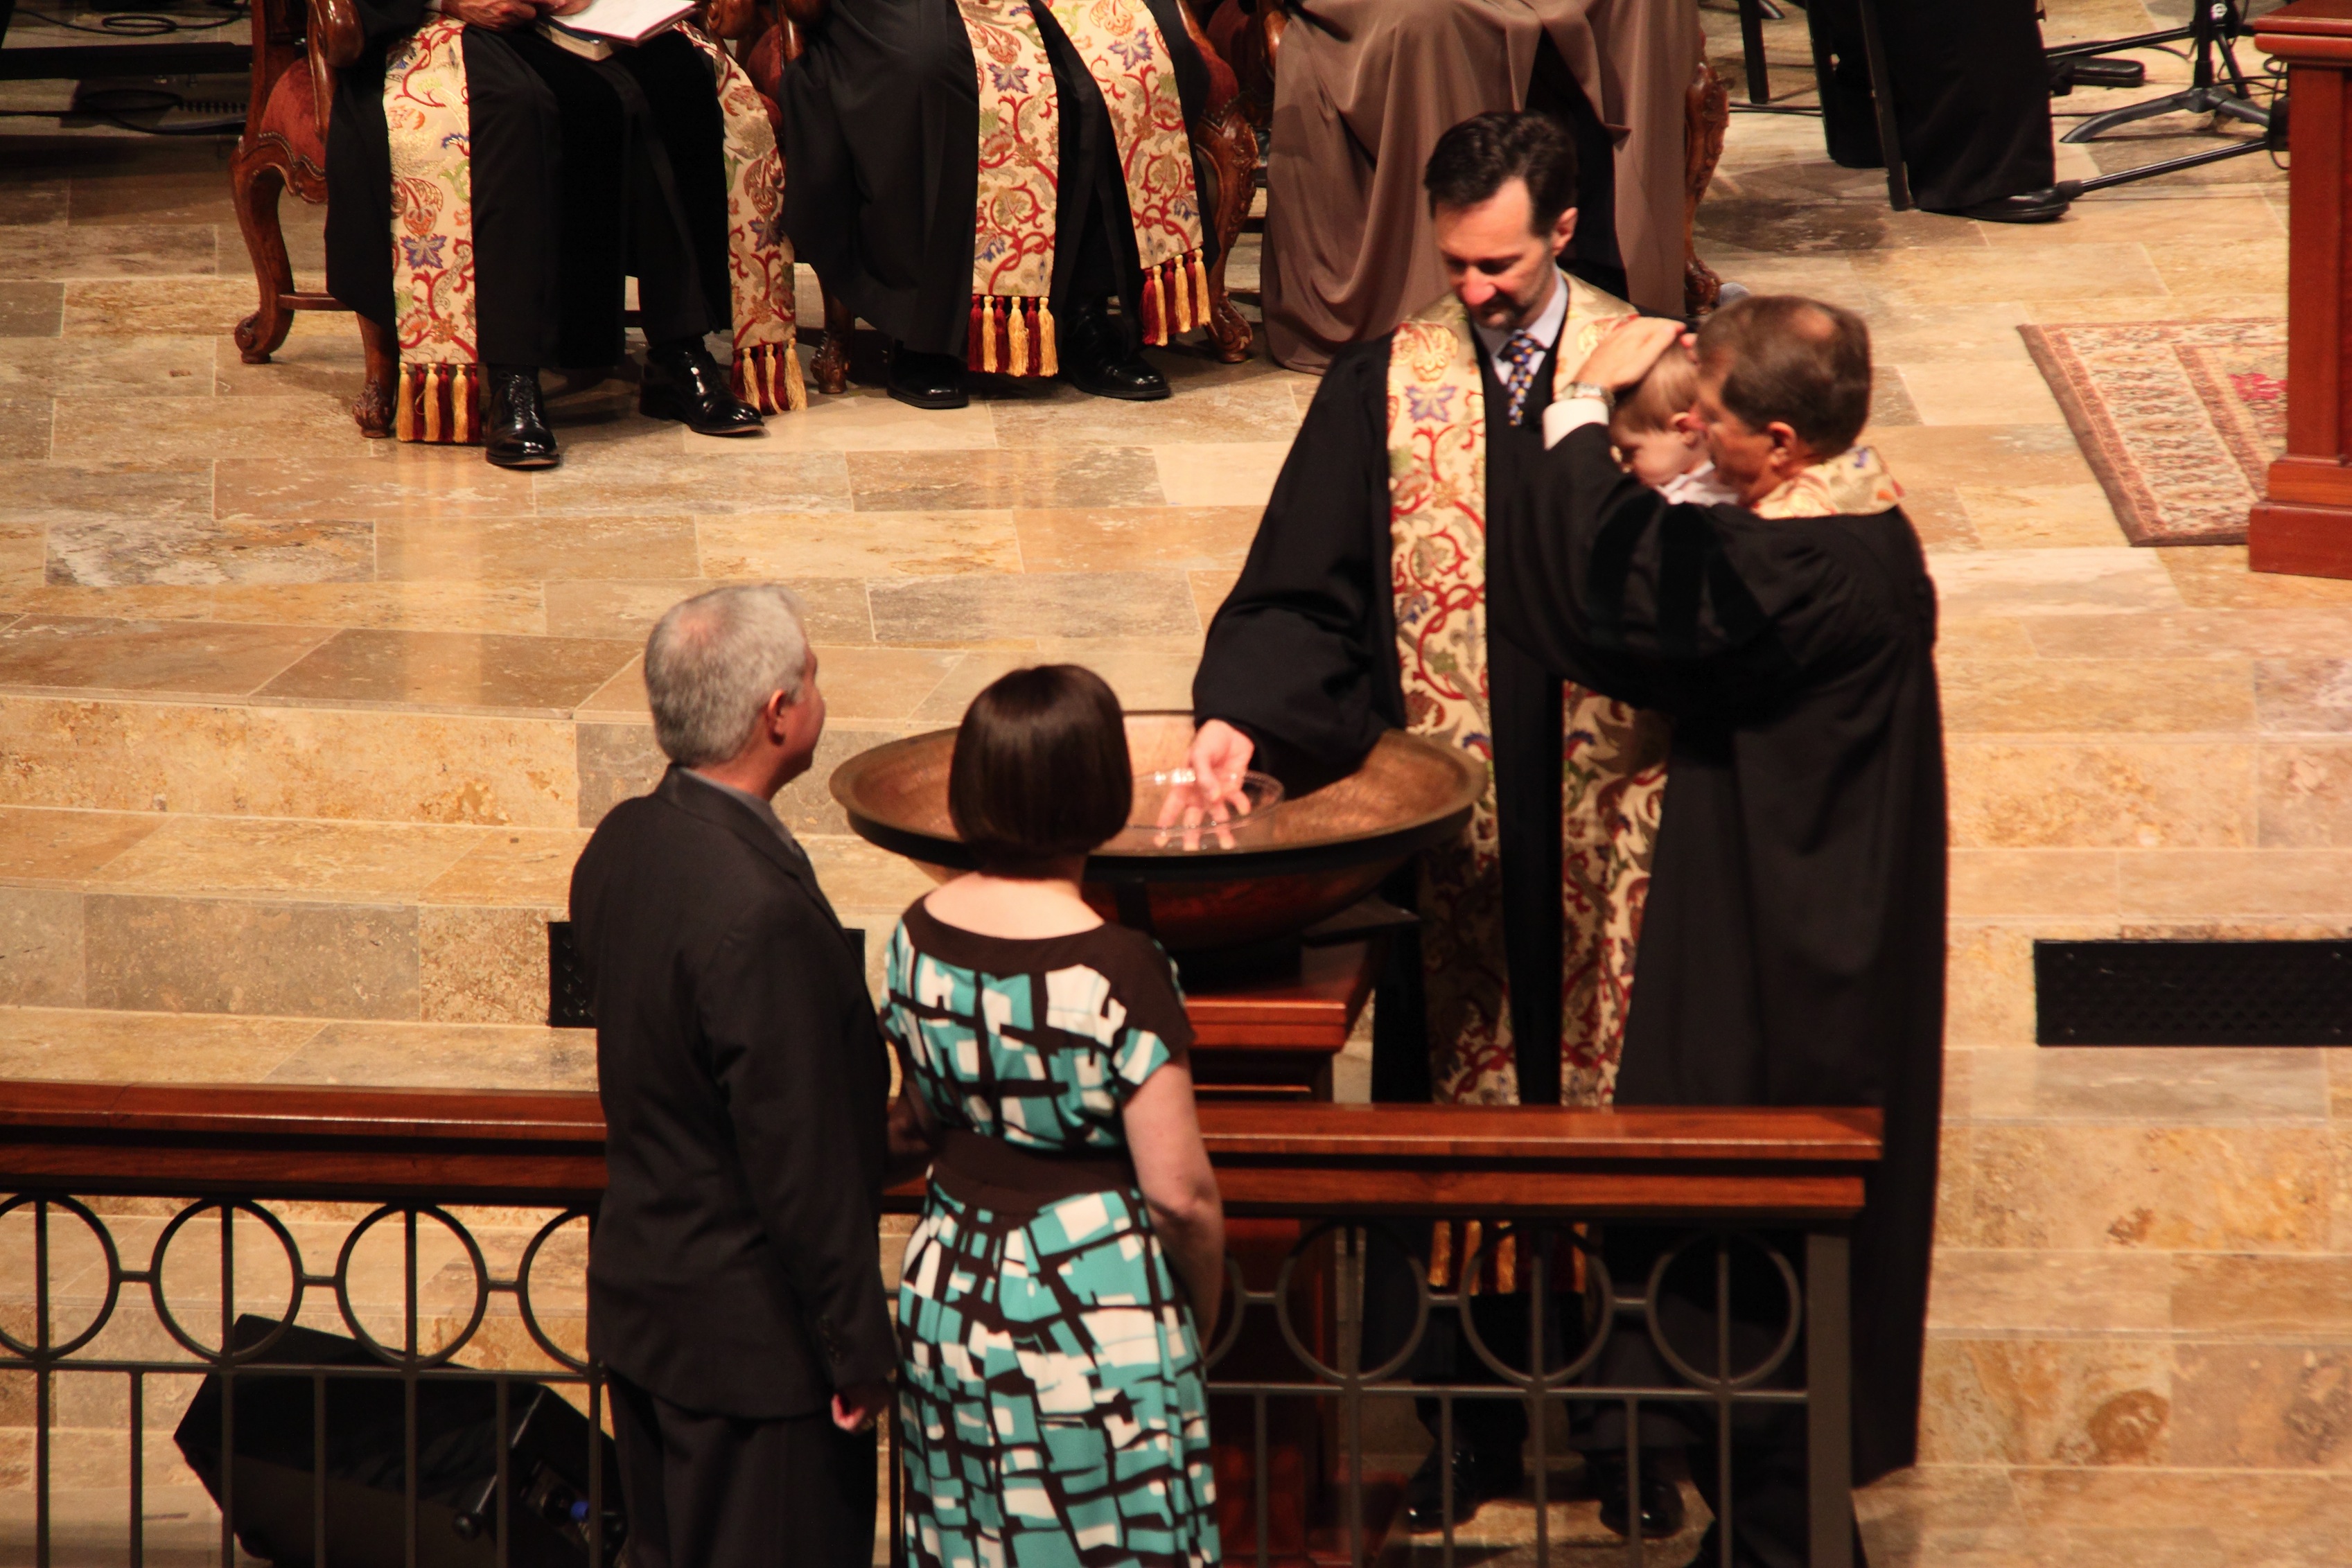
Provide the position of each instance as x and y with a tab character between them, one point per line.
1793	949
584	172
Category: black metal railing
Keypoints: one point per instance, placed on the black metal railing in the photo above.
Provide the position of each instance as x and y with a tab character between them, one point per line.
368	1416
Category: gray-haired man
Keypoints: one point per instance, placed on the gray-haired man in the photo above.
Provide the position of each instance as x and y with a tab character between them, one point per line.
734	1286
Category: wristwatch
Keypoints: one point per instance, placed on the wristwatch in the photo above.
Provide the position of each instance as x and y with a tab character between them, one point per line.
1605	396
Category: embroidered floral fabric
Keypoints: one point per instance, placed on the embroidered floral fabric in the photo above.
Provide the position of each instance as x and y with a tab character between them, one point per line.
1612	761
425	114
1012	331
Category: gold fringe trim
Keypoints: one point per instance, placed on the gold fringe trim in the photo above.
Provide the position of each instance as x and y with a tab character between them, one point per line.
439	403
768	377
1011	335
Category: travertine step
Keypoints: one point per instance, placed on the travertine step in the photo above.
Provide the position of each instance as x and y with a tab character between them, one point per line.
170	912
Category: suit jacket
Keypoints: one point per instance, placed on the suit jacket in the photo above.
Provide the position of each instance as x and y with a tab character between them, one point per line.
733	1269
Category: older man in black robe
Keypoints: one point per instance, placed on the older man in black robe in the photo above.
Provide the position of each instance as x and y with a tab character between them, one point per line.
585	164
1793	950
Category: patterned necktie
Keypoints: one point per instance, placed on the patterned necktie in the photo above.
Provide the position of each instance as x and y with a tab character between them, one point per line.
1522	353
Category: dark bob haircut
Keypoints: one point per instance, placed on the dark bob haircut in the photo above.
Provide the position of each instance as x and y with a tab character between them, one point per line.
1040	769
1796	360
1478	157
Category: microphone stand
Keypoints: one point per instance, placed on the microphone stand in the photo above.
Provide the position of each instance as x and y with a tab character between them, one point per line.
2211	24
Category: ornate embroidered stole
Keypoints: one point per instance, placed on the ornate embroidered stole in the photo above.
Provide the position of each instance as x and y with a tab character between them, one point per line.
424	110
1012	331
432	234
1855	483
767	374
1613	759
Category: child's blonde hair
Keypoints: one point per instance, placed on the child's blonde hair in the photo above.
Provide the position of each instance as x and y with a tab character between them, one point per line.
1671	388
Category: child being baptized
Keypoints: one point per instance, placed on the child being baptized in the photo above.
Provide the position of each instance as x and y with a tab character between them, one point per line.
1658	435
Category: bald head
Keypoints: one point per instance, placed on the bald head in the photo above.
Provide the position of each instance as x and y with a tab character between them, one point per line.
1785	360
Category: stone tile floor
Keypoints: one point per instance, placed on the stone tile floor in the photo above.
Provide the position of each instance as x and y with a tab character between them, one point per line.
298	733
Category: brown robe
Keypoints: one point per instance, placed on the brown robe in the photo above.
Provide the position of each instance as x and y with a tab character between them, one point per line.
1363	88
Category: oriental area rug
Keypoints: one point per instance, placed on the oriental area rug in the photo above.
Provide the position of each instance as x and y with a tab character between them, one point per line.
2179	419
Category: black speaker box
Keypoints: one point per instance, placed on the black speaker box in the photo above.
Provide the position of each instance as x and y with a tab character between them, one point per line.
366	1474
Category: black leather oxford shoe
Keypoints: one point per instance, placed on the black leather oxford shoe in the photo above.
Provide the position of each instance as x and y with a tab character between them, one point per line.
1661	1499
685	383
514	425
1097	357
2045	205
926	380
1478	1478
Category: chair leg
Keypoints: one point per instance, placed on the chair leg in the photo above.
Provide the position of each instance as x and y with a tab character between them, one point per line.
1706	115
1224	138
256	181
373	409
831	363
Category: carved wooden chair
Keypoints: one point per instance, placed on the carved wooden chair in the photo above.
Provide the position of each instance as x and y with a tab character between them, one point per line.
298	48
1221	138
1706	115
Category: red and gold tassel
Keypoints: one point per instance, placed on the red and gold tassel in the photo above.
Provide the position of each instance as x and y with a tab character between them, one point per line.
1049	355
405	423
1200	289
791	391
468	411
435	376
975	342
1180	285
1155	319
1016	359
1005	362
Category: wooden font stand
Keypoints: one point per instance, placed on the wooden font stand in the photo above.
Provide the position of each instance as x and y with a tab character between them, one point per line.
2303	522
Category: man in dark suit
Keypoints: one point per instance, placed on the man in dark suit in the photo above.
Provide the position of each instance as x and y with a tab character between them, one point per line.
734	1283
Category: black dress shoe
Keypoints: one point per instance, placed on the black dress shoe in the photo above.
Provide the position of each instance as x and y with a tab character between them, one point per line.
514	427
2041	206
1097	357
1661	1499
926	380
685	383
1478	1478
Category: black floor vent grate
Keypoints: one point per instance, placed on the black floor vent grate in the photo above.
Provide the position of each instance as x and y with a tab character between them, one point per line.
2193	993
567	987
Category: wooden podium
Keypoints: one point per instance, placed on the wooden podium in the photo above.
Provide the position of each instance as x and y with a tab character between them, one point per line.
2303	522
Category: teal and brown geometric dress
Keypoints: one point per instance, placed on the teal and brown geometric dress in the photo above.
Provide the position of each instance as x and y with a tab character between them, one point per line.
1051	1405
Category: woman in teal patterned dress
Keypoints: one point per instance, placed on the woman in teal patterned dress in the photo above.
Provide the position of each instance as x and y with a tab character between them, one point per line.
1068	1265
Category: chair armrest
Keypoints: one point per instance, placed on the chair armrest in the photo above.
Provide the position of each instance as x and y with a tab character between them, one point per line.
335	34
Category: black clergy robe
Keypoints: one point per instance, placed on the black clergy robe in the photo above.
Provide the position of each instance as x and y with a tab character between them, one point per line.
1302	658
1971	96
882	138
1792	947
584	172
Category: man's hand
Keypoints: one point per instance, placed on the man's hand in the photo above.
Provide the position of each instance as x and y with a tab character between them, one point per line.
1626	354
857	1407
1220	756
495	16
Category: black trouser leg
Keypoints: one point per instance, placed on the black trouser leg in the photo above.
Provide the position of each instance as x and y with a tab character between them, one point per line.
681	92
725	1492
671	304
517	130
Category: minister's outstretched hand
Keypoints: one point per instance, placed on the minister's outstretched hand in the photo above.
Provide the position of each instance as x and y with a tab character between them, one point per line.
1626	354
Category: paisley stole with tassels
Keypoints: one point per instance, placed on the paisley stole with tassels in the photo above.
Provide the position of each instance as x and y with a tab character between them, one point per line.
1012	329
424	110
1613	760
